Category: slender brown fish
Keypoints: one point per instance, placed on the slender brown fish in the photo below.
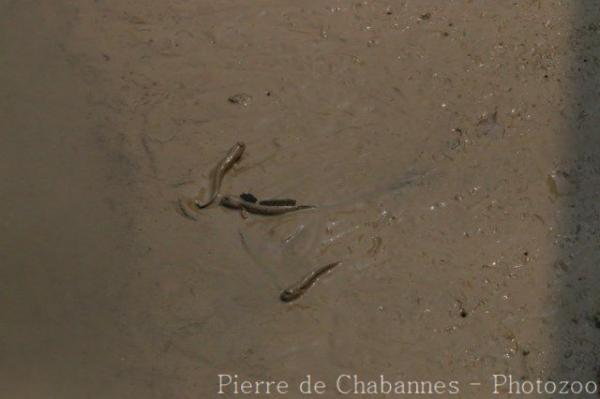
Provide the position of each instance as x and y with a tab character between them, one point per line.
296	290
232	157
231	201
186	207
278	202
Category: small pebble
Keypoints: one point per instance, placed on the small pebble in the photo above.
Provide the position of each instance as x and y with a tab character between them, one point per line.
241	99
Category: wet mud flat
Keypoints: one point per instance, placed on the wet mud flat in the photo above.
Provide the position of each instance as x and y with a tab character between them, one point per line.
451	150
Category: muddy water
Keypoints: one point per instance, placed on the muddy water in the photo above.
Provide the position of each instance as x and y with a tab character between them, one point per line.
450	148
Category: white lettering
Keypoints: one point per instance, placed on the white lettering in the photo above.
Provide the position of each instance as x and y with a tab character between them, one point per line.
338	383
224	384
499	384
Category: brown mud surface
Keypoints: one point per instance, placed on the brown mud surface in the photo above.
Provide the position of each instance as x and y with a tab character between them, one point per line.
452	149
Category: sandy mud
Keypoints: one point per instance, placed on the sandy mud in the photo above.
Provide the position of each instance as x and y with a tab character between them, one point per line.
451	149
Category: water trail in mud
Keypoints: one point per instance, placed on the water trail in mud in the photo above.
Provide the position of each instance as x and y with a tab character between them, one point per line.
355	230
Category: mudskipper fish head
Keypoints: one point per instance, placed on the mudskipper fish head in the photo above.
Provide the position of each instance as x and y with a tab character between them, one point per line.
288	295
230	202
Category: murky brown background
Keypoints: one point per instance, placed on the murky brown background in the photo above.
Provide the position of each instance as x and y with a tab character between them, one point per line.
453	148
